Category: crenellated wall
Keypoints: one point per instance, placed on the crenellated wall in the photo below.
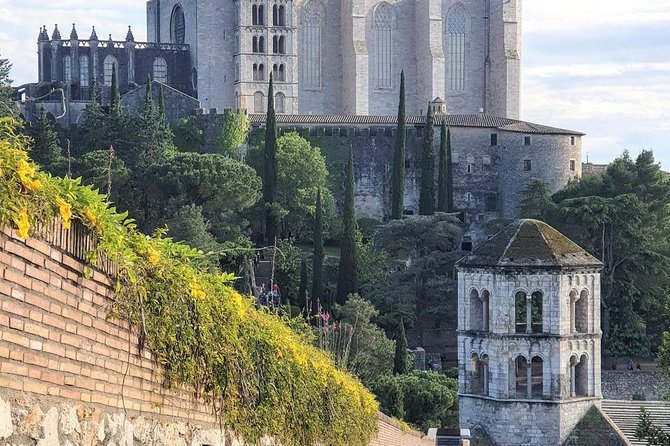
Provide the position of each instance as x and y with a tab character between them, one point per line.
71	375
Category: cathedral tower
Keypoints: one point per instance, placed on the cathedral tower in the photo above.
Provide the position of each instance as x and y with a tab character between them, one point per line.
528	336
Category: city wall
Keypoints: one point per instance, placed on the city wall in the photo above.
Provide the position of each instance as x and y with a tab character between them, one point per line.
71	375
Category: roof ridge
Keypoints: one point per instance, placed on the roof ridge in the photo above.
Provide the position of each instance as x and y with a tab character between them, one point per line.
512	239
537	227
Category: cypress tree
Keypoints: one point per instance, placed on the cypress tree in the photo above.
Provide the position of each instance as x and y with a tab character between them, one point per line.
400	365
270	165
442	170
94	124
161	102
46	148
427	192
303	281
398	180
317	267
148	98
450	175
348	278
115	98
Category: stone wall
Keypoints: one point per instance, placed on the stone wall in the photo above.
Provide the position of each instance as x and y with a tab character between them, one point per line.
624	385
72	376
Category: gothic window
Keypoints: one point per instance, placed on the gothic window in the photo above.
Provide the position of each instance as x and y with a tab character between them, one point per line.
108	66
259	106
83	71
160	70
67	69
280	105
457	25
383	24
177	25
312	24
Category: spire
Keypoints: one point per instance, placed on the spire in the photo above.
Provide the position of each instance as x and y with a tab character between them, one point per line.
73	33
94	36
110	42
43	36
129	35
56	33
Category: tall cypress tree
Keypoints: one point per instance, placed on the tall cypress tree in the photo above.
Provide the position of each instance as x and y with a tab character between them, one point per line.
161	102
317	267
115	97
427	192
400	365
270	165
348	279
148	98
398	180
302	290
450	175
442	170
46	147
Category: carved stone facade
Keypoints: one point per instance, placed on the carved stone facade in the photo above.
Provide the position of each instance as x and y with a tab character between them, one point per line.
528	335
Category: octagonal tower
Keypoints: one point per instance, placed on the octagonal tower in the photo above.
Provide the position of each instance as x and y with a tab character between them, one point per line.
528	335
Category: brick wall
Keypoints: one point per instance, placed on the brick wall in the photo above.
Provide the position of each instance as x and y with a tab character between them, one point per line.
391	434
69	373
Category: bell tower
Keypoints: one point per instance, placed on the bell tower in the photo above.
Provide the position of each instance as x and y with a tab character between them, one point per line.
528	336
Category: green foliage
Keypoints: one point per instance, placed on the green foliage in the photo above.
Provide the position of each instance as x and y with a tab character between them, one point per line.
648	431
347	282
46	147
401	357
537	202
302	290
425	399
93	167
188	136
115	99
317	256
189	226
233	132
398	179
371	264
427	191
94	125
445	182
7	105
270	175
288	259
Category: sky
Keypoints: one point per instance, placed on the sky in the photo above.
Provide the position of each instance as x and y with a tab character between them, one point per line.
601	67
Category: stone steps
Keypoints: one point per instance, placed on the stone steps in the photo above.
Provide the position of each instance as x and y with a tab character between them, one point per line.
626	415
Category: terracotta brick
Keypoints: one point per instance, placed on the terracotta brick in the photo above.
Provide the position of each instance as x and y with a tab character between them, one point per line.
54	348
37	301
87	320
39	245
53	378
71	381
70	394
39	287
15	368
53	391
18	294
14	308
99	399
70	262
16	355
16	324
56	255
87	308
34	359
53	321
56	293
4	320
54	336
9	382
55	309
38	330
36	345
17	277
71	328
55	281
70	340
35	316
5	288
15	338
74	315
38	274
70	367
85	397
4	351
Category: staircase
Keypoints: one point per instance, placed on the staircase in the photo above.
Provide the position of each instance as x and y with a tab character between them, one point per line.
626	414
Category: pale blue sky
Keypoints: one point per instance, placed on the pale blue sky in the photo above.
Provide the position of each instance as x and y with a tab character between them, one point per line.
598	66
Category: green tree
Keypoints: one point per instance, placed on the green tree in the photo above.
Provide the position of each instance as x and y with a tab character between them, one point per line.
7	105
270	167
302	291
317	267
287	272
401	360
427	191
93	167
94	125
348	273
443	171
450	175
115	98
233	131
161	103
537	202
188	225
188	134
398	180
652	433
46	149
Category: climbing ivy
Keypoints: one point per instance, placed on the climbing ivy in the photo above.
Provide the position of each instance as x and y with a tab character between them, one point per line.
262	377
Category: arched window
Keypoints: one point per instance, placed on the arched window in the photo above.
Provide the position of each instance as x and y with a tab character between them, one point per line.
259	99
177	25
261	72
280	106
160	70
275	15
457	25
261	44
282	44
486	309
67	69
521	377
579	374
254	44
278	72
109	66
478	375
282	15
312	22
254	14
520	310
537	378
582	313
476	311
536	320
528	312
261	15
383	24
83	71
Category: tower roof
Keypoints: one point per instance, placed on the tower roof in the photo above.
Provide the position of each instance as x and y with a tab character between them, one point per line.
56	34
129	35
529	244
94	35
73	33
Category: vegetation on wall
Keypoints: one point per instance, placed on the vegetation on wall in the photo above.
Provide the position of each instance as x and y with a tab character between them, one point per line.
262	377
398	174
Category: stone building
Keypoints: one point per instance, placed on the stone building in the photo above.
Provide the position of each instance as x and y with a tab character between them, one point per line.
528	336
345	56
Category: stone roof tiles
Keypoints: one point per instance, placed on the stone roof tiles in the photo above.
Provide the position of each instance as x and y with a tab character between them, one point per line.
481	120
529	243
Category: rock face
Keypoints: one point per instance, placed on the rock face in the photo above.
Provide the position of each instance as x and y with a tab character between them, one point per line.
25	421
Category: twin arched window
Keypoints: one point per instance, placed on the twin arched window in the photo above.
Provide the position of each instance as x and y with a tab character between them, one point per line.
456	30
312	17
480	310
528	312
258	15
279	15
479	375
579	312
279	72
529	377
109	66
579	376
160	70
258	44
279	44
383	23
258	72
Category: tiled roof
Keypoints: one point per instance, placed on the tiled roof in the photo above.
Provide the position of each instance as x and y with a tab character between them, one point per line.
529	243
481	120
626	415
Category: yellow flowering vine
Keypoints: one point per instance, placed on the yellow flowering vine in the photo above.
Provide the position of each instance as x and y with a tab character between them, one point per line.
23	224
65	211
196	290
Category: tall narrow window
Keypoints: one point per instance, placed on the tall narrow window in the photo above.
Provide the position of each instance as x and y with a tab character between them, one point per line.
259	102
261	44
457	25
383	24
521	378
312	23
282	73
537	378
282	15
160	70
476	311
109	65
520	307
261	72
67	69
177	25
254	44
261	15
280	105
275	15
537	323
254	14
83	71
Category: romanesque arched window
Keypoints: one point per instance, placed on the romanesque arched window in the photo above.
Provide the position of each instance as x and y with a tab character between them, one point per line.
280	103
279	72
478	375
312	17
582	313
279	15
536	377
456	30
257	15
177	25
254	44
536	319
67	69
521	377
520	312
83	71
579	376
160	72
486	310
383	23
109	66
476	311
259	105
528	312
261	44
282	15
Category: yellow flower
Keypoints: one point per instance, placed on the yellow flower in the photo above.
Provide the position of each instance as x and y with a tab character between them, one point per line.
26	172
33	186
154	256
196	290
22	224
1	171
90	216
65	210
